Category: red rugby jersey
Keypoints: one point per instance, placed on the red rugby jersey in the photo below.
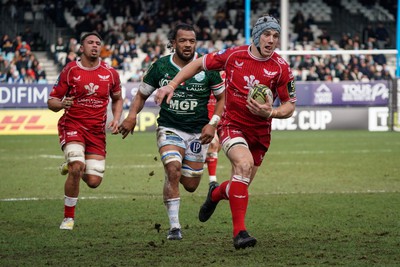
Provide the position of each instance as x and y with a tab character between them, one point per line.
243	70
91	89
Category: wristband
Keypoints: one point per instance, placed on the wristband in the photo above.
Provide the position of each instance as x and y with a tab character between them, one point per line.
170	86
214	120
173	84
271	115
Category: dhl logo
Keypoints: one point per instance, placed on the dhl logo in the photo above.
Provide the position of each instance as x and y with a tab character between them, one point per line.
28	122
25	122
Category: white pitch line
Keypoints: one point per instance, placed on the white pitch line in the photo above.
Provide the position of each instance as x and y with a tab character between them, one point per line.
264	194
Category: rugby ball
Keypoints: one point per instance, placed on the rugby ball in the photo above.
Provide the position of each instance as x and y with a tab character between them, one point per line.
261	93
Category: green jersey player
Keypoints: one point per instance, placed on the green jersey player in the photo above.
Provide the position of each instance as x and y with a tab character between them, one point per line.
184	130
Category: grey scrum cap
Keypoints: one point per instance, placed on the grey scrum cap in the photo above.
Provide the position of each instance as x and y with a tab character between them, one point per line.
262	24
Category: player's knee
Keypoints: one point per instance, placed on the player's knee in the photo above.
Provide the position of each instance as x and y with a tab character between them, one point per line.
76	169
173	170
244	167
74	152
190	187
93	181
190	183
95	167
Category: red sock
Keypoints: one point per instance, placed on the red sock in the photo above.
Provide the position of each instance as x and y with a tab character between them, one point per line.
220	193
69	212
212	165
69	206
238	200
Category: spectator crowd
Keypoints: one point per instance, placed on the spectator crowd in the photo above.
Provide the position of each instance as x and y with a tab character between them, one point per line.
124	45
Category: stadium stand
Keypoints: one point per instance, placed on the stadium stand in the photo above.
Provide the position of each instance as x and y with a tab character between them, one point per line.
135	32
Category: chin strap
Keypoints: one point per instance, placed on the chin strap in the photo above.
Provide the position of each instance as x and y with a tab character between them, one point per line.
259	50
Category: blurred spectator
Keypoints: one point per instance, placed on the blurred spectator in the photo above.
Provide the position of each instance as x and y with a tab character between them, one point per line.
72	45
40	72
106	51
116	59
232	37
42	80
133	48
367	33
23	49
4	65
28	36
312	75
147	45
299	22
382	36
325	34
13	76
203	22
71	57
305	35
220	21
152	15
60	51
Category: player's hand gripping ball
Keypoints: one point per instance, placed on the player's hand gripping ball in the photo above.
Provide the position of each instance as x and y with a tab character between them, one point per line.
261	93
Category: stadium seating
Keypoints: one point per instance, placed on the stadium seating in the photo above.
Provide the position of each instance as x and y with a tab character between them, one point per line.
322	12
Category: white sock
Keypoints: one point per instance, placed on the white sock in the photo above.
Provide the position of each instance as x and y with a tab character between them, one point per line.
172	206
70	201
212	178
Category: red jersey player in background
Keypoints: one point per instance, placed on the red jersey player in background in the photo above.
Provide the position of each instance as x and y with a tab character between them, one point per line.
83	91
245	126
215	146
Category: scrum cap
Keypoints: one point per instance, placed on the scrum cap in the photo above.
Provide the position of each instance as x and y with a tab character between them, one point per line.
264	23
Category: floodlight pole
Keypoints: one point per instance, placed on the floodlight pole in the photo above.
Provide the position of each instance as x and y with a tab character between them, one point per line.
284	23
247	15
398	41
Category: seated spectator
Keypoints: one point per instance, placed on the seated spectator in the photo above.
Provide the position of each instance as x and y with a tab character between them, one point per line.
116	60
60	51
382	36
13	76
40	72
132	48
305	35
203	22
106	51
71	57
312	75
8	49
4	65
23	48
42	79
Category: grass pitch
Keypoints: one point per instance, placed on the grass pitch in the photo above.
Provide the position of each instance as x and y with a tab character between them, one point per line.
320	198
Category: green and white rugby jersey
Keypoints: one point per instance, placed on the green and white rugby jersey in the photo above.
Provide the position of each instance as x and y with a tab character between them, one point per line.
187	110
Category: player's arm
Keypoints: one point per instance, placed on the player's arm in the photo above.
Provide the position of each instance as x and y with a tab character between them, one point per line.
285	110
57	98
116	108
208	131
56	104
129	123
185	73
287	94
